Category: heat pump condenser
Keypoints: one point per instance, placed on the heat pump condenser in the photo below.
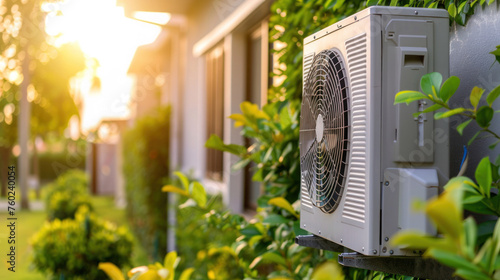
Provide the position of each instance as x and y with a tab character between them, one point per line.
363	159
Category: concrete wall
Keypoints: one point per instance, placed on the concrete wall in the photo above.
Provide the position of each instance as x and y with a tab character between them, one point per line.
471	62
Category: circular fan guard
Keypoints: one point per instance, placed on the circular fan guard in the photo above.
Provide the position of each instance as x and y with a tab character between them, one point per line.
325	130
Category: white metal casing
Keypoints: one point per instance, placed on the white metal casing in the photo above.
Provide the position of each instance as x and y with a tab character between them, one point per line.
385	50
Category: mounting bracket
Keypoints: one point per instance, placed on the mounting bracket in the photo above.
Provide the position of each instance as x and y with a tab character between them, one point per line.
410	266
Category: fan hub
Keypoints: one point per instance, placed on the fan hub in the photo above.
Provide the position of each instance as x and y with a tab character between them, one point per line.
320	126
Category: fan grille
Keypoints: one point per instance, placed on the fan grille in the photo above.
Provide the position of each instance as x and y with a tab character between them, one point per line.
325	130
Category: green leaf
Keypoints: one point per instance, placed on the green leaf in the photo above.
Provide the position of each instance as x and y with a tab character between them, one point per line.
408	96
170	260
472	199
450	86
462	126
257	177
239	119
473	138
461	7
338	4
452	10
183	178
427	110
417	240
241	164
446	213
250	231
252	110
113	272
174	189
447	114
149	275
283	203
273	257
483	175
371	3
275	219
471	275
493	95
470	230
285	119
452	260
186	274
198	194
484	116
496	53
328	271
475	96
214	142
494	145
480	208
430	83
485	231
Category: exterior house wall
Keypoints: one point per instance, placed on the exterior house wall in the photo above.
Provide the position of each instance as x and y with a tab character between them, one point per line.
471	62
202	21
203	18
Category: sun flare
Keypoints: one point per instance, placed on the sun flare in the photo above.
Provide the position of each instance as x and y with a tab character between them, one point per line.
104	33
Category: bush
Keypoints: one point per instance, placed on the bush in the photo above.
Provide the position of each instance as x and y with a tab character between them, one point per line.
72	249
64	196
52	164
197	239
145	166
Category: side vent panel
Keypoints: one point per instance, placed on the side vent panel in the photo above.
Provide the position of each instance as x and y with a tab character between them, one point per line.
304	193
308	60
354	208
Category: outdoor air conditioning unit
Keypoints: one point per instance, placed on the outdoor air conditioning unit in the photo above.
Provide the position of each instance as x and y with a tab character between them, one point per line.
364	160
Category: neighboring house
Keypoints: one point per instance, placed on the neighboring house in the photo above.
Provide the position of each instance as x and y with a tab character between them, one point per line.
105	161
213	55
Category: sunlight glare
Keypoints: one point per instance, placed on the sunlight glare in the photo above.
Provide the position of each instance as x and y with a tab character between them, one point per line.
104	33
156	17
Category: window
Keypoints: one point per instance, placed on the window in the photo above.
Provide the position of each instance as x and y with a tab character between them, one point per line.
215	109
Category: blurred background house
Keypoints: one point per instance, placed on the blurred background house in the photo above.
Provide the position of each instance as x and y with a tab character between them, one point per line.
210	57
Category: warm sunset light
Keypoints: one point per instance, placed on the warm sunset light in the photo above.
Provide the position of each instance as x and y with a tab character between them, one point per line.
104	33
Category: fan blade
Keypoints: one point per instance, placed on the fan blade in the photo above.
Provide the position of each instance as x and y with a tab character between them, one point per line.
306	138
307	118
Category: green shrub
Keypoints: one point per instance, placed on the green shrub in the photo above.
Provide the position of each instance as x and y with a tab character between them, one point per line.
145	166
52	164
72	249
199	230
66	194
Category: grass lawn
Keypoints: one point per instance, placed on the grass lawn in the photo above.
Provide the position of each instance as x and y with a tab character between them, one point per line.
26	225
29	222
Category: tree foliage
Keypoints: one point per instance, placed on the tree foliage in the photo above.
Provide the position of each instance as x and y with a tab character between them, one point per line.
146	155
26	50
